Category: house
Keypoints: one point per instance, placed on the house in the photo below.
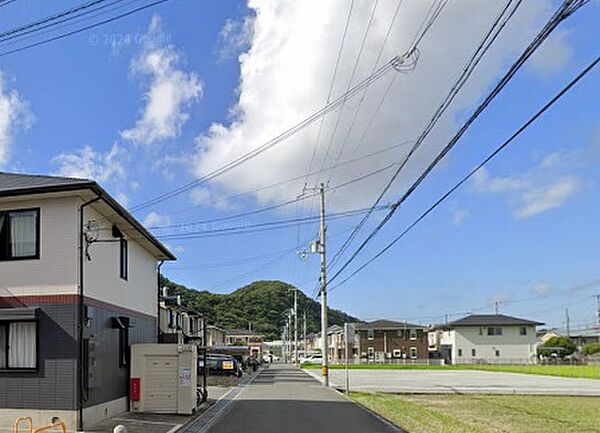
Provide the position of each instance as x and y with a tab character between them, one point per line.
78	285
178	323
487	338
215	336
389	341
243	337
336	344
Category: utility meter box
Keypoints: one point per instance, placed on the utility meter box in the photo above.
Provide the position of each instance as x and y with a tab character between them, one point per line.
164	378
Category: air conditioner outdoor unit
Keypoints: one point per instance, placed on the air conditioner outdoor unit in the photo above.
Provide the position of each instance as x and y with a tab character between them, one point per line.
164	378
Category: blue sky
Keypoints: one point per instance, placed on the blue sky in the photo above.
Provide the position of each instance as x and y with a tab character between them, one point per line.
132	103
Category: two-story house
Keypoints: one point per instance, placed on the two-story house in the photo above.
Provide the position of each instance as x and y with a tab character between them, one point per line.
78	286
487	338
390	341
178	323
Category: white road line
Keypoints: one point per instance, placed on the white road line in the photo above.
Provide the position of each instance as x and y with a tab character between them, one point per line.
174	429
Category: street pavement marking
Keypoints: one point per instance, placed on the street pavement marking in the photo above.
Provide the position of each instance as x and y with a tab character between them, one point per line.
133	420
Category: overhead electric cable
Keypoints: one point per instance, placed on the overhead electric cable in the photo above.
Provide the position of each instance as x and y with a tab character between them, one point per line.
499	149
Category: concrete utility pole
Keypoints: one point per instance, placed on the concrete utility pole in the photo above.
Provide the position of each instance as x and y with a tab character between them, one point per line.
296	326
290	351
324	322
598	308
304	335
568	322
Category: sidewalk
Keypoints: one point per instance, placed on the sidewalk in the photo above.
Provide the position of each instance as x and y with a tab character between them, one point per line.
150	423
283	398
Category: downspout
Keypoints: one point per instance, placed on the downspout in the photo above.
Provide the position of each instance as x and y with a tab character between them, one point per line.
158	290
80	305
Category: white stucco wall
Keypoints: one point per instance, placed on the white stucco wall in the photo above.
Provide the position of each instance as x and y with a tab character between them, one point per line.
56	270
513	347
101	273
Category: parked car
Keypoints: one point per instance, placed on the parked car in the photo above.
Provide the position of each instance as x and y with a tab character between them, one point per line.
317	358
223	365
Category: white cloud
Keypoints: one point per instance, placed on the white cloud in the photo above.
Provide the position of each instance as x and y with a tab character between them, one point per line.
89	163
235	37
170	93
459	214
548	197
286	74
538	190
554	54
542	288
14	113
155	219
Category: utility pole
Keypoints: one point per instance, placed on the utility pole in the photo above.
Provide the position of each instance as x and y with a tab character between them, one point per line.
324	322
304	335
290	351
568	322
296	326
598	308
496	304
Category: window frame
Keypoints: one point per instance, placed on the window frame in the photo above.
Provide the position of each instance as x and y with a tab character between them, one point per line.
413	352
38	231
8	368
523	331
370	334
123	259
494	331
473	353
412	334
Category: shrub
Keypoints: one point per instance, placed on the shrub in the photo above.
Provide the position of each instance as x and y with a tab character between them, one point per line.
561	346
590	349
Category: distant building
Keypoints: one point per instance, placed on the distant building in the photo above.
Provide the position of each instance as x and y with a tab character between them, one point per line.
215	336
244	337
486	338
387	340
178	323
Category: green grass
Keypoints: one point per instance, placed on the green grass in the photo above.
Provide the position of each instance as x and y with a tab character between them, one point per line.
486	413
576	371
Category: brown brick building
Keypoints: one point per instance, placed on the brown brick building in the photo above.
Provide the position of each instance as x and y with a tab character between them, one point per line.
387	340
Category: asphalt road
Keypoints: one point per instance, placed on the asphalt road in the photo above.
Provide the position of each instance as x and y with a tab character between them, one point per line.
462	381
283	398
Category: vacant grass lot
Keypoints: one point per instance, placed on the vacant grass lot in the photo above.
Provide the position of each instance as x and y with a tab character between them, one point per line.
486	413
579	371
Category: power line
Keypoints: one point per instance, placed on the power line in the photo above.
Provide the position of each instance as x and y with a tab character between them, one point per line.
82	29
539	113
472	63
398	63
567	8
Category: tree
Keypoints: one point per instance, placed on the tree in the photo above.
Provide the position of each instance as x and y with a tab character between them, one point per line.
591	349
559	346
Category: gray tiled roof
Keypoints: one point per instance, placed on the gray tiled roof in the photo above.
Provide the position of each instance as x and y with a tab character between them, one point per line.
16	182
386	324
491	319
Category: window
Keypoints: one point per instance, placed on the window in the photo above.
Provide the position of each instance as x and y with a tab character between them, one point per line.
171	319
123	259
192	328
400	333
124	347
459	352
473	352
494	331
397	353
370	352
413	334
18	345
497	352
413	353
523	330
370	334
19	235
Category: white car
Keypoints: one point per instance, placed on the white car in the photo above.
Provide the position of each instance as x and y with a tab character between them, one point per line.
317	358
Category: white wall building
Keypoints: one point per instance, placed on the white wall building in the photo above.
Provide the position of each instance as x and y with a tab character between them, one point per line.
486	338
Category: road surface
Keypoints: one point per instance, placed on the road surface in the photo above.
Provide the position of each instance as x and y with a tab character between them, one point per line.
462	381
284	399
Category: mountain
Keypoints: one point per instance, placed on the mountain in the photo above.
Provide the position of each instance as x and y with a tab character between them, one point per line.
263	304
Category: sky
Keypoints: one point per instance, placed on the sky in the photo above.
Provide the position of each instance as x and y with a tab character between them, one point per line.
165	96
